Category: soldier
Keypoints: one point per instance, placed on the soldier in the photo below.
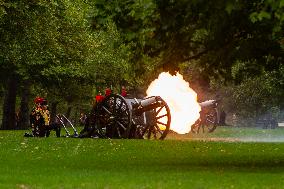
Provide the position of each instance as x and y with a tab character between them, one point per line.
46	117
40	120
108	92
90	120
47	125
36	118
123	91
99	98
82	119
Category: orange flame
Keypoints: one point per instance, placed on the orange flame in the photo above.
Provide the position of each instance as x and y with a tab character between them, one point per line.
181	99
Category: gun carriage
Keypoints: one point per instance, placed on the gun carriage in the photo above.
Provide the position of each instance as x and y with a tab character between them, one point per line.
209	117
119	117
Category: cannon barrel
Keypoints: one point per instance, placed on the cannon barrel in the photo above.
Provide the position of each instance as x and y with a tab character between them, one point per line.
148	101
146	104
208	103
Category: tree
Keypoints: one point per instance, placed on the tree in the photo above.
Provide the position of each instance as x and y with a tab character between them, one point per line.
235	41
50	44
216	33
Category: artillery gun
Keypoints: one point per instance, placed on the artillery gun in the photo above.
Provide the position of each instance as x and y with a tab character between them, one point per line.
209	117
119	117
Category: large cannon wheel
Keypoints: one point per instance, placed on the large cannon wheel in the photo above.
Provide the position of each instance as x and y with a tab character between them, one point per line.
157	123
208	121
114	117
211	121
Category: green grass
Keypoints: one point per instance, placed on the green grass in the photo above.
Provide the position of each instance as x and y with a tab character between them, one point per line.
178	162
242	134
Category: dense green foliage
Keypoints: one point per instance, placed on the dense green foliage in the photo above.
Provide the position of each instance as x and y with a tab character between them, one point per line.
216	32
234	42
99	163
51	45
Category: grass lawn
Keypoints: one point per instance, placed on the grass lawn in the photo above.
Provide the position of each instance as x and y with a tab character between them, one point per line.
180	161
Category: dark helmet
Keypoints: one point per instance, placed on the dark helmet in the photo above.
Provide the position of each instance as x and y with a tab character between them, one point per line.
44	102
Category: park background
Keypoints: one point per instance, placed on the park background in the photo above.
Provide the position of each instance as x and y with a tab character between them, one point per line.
69	51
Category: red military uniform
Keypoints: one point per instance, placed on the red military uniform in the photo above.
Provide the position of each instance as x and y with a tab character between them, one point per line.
99	97
123	92
108	92
39	117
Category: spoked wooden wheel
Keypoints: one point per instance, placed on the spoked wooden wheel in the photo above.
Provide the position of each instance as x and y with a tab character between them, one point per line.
158	122
210	121
196	126
114	119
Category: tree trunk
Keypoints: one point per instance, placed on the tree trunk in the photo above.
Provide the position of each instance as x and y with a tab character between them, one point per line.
77	115
9	114
53	112
68	112
222	118
24	115
67	115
